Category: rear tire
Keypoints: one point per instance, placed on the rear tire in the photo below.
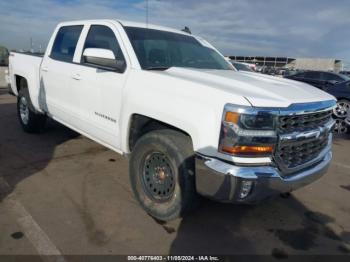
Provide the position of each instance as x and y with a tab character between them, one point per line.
30	121
162	174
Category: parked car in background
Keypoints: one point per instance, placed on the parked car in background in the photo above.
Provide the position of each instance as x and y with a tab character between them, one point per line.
347	73
242	66
342	92
334	84
8	82
319	79
4	56
290	72
271	70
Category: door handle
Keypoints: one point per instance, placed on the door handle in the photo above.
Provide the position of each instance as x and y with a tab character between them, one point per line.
76	77
45	69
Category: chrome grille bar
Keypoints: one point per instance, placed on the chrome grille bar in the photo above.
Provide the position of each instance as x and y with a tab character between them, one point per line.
304	135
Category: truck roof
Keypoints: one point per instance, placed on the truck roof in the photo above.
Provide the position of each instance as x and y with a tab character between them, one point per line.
126	23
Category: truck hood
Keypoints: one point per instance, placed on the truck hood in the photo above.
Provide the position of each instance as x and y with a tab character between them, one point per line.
260	90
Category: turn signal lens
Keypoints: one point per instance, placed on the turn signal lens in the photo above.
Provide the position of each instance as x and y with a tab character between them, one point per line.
248	150
232	117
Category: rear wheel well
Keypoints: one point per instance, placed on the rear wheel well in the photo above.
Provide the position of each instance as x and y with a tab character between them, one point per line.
21	82
141	125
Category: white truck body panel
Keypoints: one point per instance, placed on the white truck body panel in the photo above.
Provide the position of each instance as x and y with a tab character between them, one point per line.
27	66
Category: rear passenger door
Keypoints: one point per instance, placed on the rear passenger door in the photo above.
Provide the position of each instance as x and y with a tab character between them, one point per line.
57	96
101	89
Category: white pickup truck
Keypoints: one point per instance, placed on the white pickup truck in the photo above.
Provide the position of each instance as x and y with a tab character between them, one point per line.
190	123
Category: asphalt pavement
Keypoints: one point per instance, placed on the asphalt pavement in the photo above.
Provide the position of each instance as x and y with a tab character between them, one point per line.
63	194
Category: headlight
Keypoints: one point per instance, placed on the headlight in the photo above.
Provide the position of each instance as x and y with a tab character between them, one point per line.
263	121
247	131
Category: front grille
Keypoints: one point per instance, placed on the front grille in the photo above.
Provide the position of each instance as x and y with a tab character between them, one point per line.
298	150
293	154
288	124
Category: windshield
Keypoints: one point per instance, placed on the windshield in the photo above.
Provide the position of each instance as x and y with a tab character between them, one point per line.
345	77
242	67
157	49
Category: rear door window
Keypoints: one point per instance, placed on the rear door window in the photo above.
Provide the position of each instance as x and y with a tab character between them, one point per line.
65	43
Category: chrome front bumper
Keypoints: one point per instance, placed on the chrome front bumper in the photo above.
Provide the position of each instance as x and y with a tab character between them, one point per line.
223	181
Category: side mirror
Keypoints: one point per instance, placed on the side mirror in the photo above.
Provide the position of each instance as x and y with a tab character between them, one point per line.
103	58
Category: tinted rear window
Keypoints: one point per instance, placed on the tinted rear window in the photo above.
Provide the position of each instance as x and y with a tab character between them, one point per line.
65	43
312	75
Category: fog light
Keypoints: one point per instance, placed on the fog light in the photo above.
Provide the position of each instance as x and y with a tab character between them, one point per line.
246	188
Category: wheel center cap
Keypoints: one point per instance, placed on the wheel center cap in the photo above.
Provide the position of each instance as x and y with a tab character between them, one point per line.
160	174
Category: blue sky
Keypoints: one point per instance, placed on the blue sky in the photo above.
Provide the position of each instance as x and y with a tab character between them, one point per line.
295	28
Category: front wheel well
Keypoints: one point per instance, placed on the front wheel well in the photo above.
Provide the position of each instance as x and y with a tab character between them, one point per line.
141	125
343	98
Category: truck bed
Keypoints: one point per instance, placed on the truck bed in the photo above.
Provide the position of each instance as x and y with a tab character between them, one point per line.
28	53
26	65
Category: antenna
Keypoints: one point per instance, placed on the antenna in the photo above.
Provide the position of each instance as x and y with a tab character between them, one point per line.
187	30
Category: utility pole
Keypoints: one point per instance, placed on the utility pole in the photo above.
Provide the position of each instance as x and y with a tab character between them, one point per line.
31	45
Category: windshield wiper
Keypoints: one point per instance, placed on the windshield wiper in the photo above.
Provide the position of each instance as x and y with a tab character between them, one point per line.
157	68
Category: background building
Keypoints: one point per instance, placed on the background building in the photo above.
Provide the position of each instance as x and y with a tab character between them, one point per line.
323	64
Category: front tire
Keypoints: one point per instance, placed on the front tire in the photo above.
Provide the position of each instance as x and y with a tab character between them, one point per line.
30	121
162	174
342	108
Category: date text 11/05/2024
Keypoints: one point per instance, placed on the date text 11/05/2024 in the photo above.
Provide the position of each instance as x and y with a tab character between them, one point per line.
173	258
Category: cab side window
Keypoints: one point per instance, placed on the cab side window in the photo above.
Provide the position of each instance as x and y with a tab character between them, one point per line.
65	43
100	36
